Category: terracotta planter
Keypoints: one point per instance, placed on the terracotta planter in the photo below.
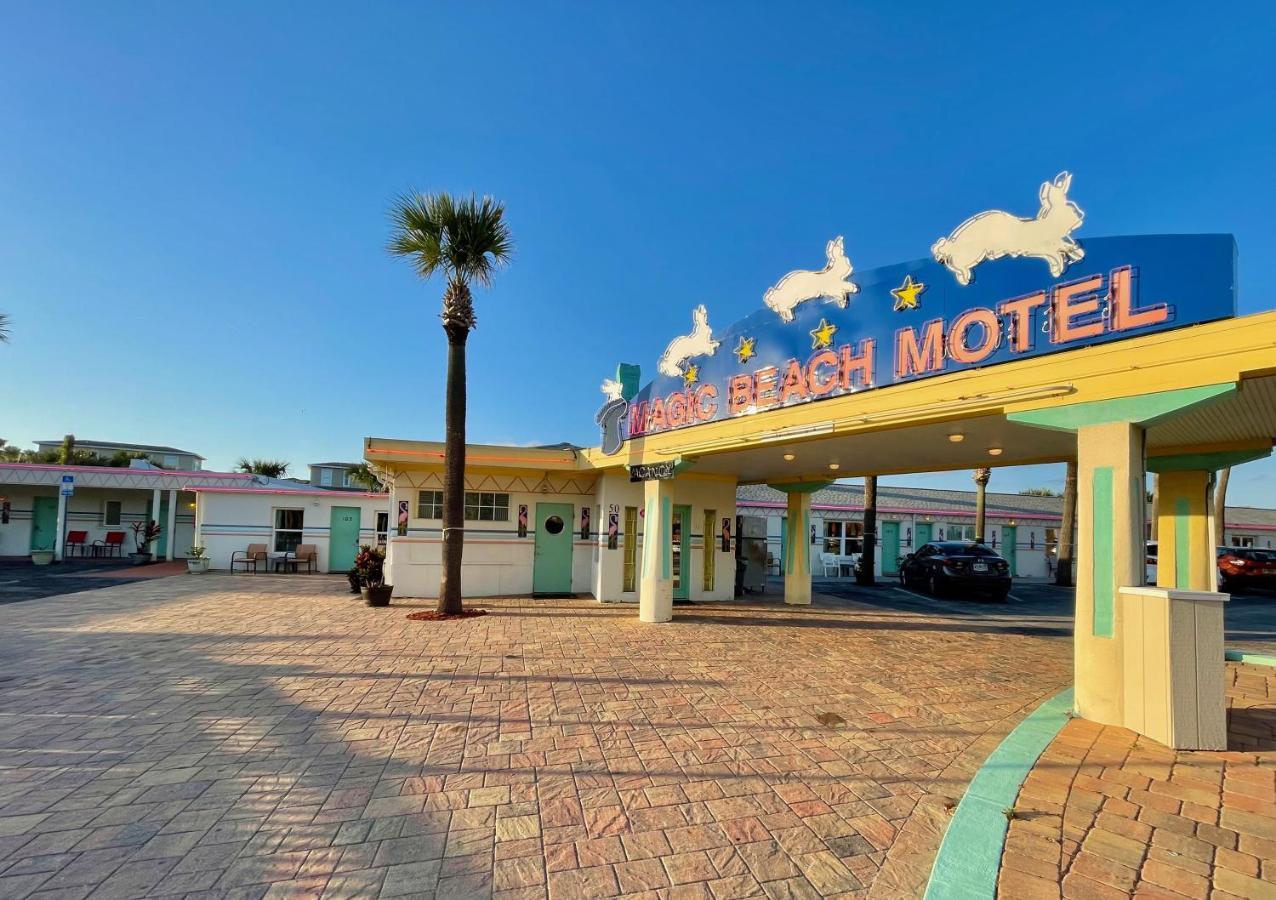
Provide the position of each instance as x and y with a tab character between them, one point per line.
378	596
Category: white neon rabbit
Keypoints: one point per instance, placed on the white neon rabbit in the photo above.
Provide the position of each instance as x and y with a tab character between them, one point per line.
994	234
832	282
699	343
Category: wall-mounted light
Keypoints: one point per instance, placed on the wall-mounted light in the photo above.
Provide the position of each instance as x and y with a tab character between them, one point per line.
834	466
994	451
956	437
789	457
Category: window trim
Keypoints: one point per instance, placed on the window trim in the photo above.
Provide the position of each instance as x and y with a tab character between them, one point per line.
119	518
435	505
475	507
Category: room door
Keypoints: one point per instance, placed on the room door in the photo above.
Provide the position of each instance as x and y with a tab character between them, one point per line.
925	533
44	523
1008	543
890	548
552	554
681	554
343	538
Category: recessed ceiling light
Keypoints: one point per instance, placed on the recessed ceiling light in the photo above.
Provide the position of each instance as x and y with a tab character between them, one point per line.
957	438
789	457
834	466
994	451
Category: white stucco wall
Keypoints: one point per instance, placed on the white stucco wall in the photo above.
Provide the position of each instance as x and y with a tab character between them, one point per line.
230	521
85	512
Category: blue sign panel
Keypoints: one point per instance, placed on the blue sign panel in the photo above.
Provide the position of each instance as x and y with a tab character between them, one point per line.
916	320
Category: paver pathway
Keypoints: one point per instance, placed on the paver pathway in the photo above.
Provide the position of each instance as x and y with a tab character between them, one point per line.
260	736
1106	813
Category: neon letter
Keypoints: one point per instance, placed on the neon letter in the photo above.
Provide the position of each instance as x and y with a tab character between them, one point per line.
990	329
1073	300
1020	312
912	359
1121	303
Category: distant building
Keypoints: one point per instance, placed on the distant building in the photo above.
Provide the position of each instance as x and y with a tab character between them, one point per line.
334	475
169	458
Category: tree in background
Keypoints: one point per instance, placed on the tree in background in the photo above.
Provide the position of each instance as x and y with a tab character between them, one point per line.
363	476
1220	502
66	456
269	468
1038	492
1067	528
4	329
466	240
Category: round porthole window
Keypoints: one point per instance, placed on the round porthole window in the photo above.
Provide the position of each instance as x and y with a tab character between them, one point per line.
554	525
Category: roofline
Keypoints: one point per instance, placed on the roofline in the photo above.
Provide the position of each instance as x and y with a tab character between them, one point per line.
118	445
908	510
208	489
119	469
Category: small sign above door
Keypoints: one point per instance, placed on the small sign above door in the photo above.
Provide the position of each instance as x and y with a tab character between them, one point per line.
661	471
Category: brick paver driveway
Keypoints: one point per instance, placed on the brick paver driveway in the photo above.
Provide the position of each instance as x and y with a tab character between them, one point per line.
249	736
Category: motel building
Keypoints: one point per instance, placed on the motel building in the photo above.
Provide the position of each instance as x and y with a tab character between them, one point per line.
1015	342
94	509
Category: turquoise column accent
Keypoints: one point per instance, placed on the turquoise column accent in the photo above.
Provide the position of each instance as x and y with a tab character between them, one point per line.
649	546
1182	544
666	538
1104	559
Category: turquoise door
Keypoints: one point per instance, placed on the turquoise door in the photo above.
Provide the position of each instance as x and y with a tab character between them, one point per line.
925	533
890	548
161	545
552	556
681	552
784	527
1008	544
44	523
343	538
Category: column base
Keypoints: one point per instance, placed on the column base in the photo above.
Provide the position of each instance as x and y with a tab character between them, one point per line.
655	600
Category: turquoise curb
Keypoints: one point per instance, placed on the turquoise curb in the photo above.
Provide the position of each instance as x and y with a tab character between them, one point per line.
1254	659
970	856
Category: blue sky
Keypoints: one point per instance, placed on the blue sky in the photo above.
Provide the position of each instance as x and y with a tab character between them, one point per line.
193	199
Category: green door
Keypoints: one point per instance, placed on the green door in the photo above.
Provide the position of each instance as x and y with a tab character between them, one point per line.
552	557
161	545
925	533
343	538
1007	548
681	527
44	523
890	548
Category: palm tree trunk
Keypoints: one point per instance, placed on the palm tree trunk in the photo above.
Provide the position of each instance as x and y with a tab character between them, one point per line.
457	323
1155	530
864	573
1220	505
1067	528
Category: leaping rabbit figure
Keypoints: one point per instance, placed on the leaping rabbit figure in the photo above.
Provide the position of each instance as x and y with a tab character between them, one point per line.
832	281
994	234
699	343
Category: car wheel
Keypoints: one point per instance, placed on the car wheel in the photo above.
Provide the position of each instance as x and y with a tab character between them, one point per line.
1002	597
936	586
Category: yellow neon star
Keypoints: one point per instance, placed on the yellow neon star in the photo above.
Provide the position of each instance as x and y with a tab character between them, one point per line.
907	293
690	376
745	350
823	336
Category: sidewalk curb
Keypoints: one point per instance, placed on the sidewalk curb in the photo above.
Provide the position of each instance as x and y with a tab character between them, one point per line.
1253	659
969	857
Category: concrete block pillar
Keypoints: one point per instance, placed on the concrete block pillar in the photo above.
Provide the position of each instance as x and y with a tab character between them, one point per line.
1110	555
59	542
156	496
655	588
797	553
1185	552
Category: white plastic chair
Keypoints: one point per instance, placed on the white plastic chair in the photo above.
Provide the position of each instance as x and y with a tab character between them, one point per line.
829	561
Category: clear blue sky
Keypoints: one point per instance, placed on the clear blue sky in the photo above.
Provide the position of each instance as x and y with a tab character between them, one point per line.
193	199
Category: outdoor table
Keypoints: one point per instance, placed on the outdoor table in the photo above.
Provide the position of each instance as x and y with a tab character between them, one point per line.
284	563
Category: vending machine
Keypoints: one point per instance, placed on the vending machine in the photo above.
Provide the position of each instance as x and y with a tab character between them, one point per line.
750	554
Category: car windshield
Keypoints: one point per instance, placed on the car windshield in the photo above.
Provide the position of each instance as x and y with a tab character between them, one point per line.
1261	555
964	548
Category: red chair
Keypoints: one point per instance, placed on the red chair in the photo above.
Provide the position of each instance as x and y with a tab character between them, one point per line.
76	539
112	546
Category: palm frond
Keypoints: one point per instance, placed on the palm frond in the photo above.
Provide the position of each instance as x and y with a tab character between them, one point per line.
466	239
4	329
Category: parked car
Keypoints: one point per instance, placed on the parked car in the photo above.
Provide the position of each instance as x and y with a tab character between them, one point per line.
1150	563
1246	567
941	566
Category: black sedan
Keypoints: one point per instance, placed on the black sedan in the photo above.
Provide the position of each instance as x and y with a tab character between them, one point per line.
941	566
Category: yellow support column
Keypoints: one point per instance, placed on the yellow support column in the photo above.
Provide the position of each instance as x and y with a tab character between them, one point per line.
797	553
655	589
1110	555
1185	553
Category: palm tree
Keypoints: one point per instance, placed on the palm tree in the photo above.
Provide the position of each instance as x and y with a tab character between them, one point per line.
363	475
466	240
270	468
1067	527
1220	503
4	329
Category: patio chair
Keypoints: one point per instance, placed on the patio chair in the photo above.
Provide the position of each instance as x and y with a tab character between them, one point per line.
829	561
112	545
305	555
772	563
250	558
76	539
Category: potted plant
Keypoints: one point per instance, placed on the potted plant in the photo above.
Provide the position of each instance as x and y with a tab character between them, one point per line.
144	533
196	562
370	564
41	557
356	583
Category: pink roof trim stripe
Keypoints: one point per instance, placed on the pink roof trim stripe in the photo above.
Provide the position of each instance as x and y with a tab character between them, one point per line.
210	489
907	510
116	470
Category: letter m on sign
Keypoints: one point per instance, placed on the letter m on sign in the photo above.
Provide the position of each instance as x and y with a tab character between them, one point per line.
914	356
